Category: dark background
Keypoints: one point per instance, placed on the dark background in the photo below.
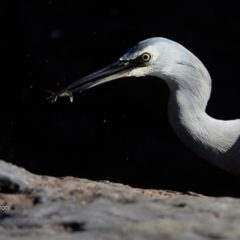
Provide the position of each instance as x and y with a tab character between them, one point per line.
118	131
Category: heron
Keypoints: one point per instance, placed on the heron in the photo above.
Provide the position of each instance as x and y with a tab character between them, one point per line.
214	140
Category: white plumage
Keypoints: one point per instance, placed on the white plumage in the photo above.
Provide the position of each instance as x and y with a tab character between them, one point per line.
190	87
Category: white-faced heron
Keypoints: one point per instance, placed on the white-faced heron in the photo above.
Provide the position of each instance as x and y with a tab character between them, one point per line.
190	87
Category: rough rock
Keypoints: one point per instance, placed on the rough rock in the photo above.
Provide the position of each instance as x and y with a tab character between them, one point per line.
42	207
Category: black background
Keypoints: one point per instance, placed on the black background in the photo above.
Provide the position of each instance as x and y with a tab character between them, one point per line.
118	131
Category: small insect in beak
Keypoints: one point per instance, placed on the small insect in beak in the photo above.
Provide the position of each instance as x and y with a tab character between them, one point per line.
66	94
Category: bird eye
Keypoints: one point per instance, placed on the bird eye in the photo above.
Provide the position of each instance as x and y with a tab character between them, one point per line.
145	57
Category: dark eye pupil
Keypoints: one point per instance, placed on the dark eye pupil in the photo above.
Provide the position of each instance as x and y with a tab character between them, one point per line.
145	57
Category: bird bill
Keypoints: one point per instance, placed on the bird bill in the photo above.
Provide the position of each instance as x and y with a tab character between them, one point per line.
109	73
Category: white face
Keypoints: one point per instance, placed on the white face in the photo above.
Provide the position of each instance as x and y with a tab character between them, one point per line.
153	55
169	61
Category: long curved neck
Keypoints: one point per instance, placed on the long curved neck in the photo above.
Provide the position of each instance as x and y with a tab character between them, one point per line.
215	140
197	129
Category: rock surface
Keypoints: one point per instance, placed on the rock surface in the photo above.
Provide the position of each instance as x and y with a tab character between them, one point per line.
42	207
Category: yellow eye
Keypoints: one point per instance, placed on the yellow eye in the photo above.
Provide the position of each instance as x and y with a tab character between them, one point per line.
145	57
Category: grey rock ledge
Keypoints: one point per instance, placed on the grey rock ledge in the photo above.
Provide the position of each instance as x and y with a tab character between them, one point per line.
42	207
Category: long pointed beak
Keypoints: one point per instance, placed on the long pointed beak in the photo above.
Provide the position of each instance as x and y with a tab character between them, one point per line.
114	71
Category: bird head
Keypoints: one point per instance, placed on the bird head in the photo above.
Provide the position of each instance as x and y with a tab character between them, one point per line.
152	57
